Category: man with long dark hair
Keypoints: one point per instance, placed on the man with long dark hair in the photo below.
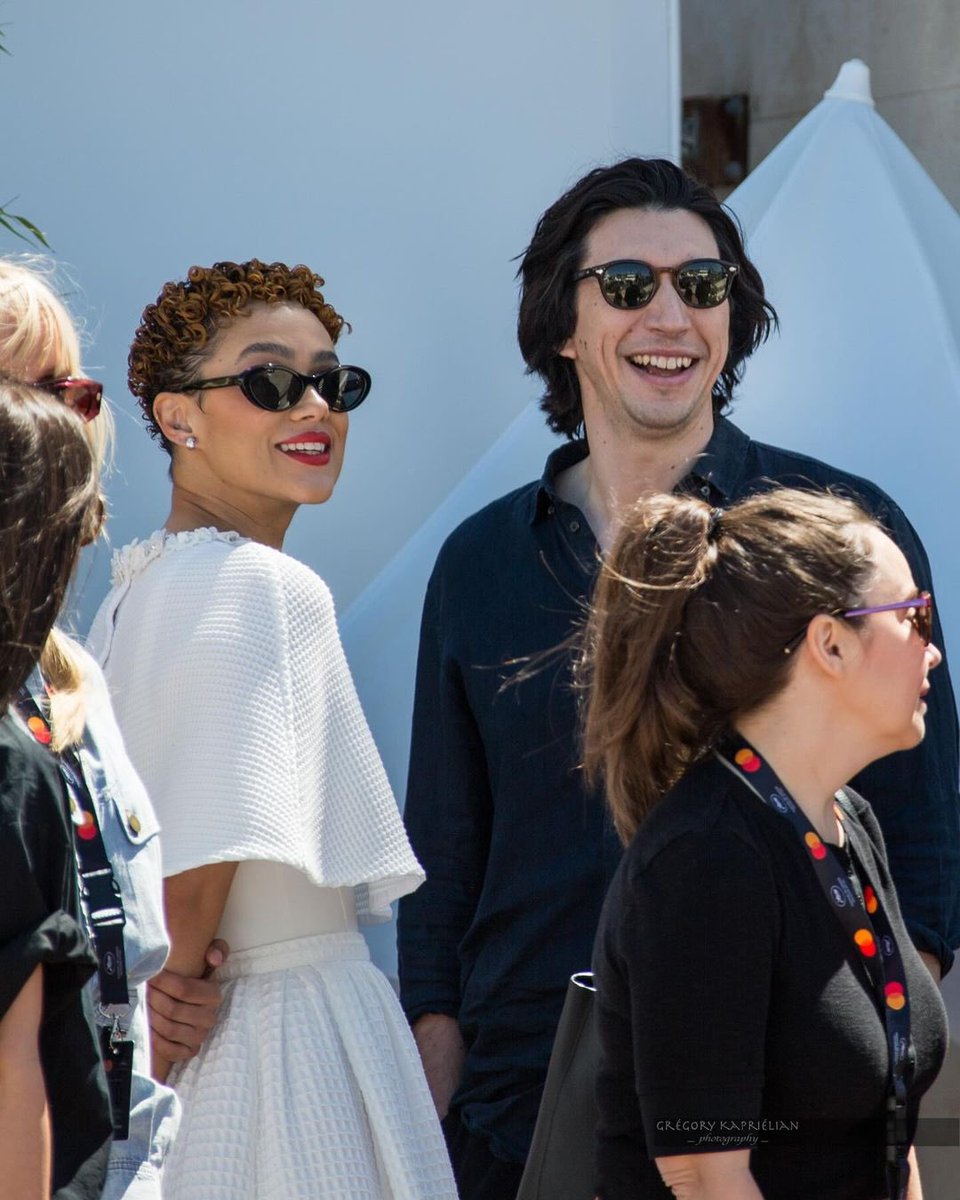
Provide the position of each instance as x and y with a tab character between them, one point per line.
639	307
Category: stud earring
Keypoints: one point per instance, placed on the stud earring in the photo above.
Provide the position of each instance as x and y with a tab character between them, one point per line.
190	442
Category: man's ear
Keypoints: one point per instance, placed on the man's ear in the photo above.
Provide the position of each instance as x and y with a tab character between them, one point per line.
175	414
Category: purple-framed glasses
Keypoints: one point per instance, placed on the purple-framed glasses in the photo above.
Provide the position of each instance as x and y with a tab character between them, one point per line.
921	618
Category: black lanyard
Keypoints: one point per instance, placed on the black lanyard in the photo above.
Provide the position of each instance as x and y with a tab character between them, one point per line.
102	905
872	943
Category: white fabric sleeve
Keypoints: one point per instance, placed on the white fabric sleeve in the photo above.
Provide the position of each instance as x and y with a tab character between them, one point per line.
239	711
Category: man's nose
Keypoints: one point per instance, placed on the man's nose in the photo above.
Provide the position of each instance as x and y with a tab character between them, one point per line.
666	310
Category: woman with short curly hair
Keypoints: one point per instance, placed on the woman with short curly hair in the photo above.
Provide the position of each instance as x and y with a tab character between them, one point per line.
280	830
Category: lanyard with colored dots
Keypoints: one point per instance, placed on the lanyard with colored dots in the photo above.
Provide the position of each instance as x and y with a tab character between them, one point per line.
870	934
99	889
103	905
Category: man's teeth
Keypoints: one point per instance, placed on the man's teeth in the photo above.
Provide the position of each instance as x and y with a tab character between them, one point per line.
305	447
661	363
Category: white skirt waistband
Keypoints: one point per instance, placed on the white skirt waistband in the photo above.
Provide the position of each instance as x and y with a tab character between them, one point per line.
272	902
297	952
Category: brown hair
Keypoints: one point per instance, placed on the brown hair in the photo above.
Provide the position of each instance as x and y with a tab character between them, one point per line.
37	333
689	624
548	307
177	332
49	506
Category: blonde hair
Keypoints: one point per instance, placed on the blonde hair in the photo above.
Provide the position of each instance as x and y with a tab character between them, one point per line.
39	337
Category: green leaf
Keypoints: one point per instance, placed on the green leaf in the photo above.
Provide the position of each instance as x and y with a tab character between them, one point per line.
10	221
29	226
18	225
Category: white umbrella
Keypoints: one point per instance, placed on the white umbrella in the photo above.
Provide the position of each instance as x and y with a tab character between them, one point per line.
860	254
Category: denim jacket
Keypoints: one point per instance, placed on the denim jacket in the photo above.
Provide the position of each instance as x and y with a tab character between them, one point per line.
130	829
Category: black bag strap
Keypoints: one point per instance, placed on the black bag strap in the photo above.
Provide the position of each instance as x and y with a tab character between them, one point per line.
99	890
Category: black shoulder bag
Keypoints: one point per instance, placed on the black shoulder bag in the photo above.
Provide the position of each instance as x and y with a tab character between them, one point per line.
560	1164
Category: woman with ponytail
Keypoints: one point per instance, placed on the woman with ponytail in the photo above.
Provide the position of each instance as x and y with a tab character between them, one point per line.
767	1027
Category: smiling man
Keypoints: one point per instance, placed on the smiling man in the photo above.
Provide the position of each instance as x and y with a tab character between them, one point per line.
639	307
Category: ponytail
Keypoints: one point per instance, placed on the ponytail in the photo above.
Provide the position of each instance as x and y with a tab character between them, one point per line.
637	695
689	624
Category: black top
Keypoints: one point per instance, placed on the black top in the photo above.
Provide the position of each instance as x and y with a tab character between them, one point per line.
518	855
729	993
41	923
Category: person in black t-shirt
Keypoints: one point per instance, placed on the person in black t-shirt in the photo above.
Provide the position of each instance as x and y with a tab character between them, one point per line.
54	1114
759	1000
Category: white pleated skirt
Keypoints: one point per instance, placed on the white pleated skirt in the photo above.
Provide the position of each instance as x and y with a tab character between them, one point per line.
309	1087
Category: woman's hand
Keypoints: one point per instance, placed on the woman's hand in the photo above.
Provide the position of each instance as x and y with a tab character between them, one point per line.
722	1175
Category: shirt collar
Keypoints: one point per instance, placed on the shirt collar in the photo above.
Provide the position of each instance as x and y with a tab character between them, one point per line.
721	464
545	493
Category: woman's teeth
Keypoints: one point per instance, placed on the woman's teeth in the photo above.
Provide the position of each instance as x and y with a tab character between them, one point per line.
305	447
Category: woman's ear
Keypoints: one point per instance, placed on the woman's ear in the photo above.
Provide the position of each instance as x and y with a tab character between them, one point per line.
831	644
175	414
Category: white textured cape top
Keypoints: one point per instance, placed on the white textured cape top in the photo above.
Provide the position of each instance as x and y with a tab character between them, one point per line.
238	710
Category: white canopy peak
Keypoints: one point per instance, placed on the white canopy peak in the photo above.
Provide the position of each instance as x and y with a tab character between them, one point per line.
852	83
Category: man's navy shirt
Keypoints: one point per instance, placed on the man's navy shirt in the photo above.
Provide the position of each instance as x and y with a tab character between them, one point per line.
518	853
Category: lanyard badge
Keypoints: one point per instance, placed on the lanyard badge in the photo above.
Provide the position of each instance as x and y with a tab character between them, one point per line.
117	1054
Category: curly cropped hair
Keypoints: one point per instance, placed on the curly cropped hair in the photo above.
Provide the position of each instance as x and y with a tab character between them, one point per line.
548	294
177	332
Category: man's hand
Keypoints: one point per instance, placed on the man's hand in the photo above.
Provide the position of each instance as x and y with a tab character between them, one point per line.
442	1052
931	962
184	1010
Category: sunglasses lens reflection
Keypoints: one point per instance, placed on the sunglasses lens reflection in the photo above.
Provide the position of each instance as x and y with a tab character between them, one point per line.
703	283
343	389
628	284
273	388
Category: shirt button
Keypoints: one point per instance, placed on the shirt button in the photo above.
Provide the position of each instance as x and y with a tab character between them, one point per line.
550	511
134	822
705	491
574	526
